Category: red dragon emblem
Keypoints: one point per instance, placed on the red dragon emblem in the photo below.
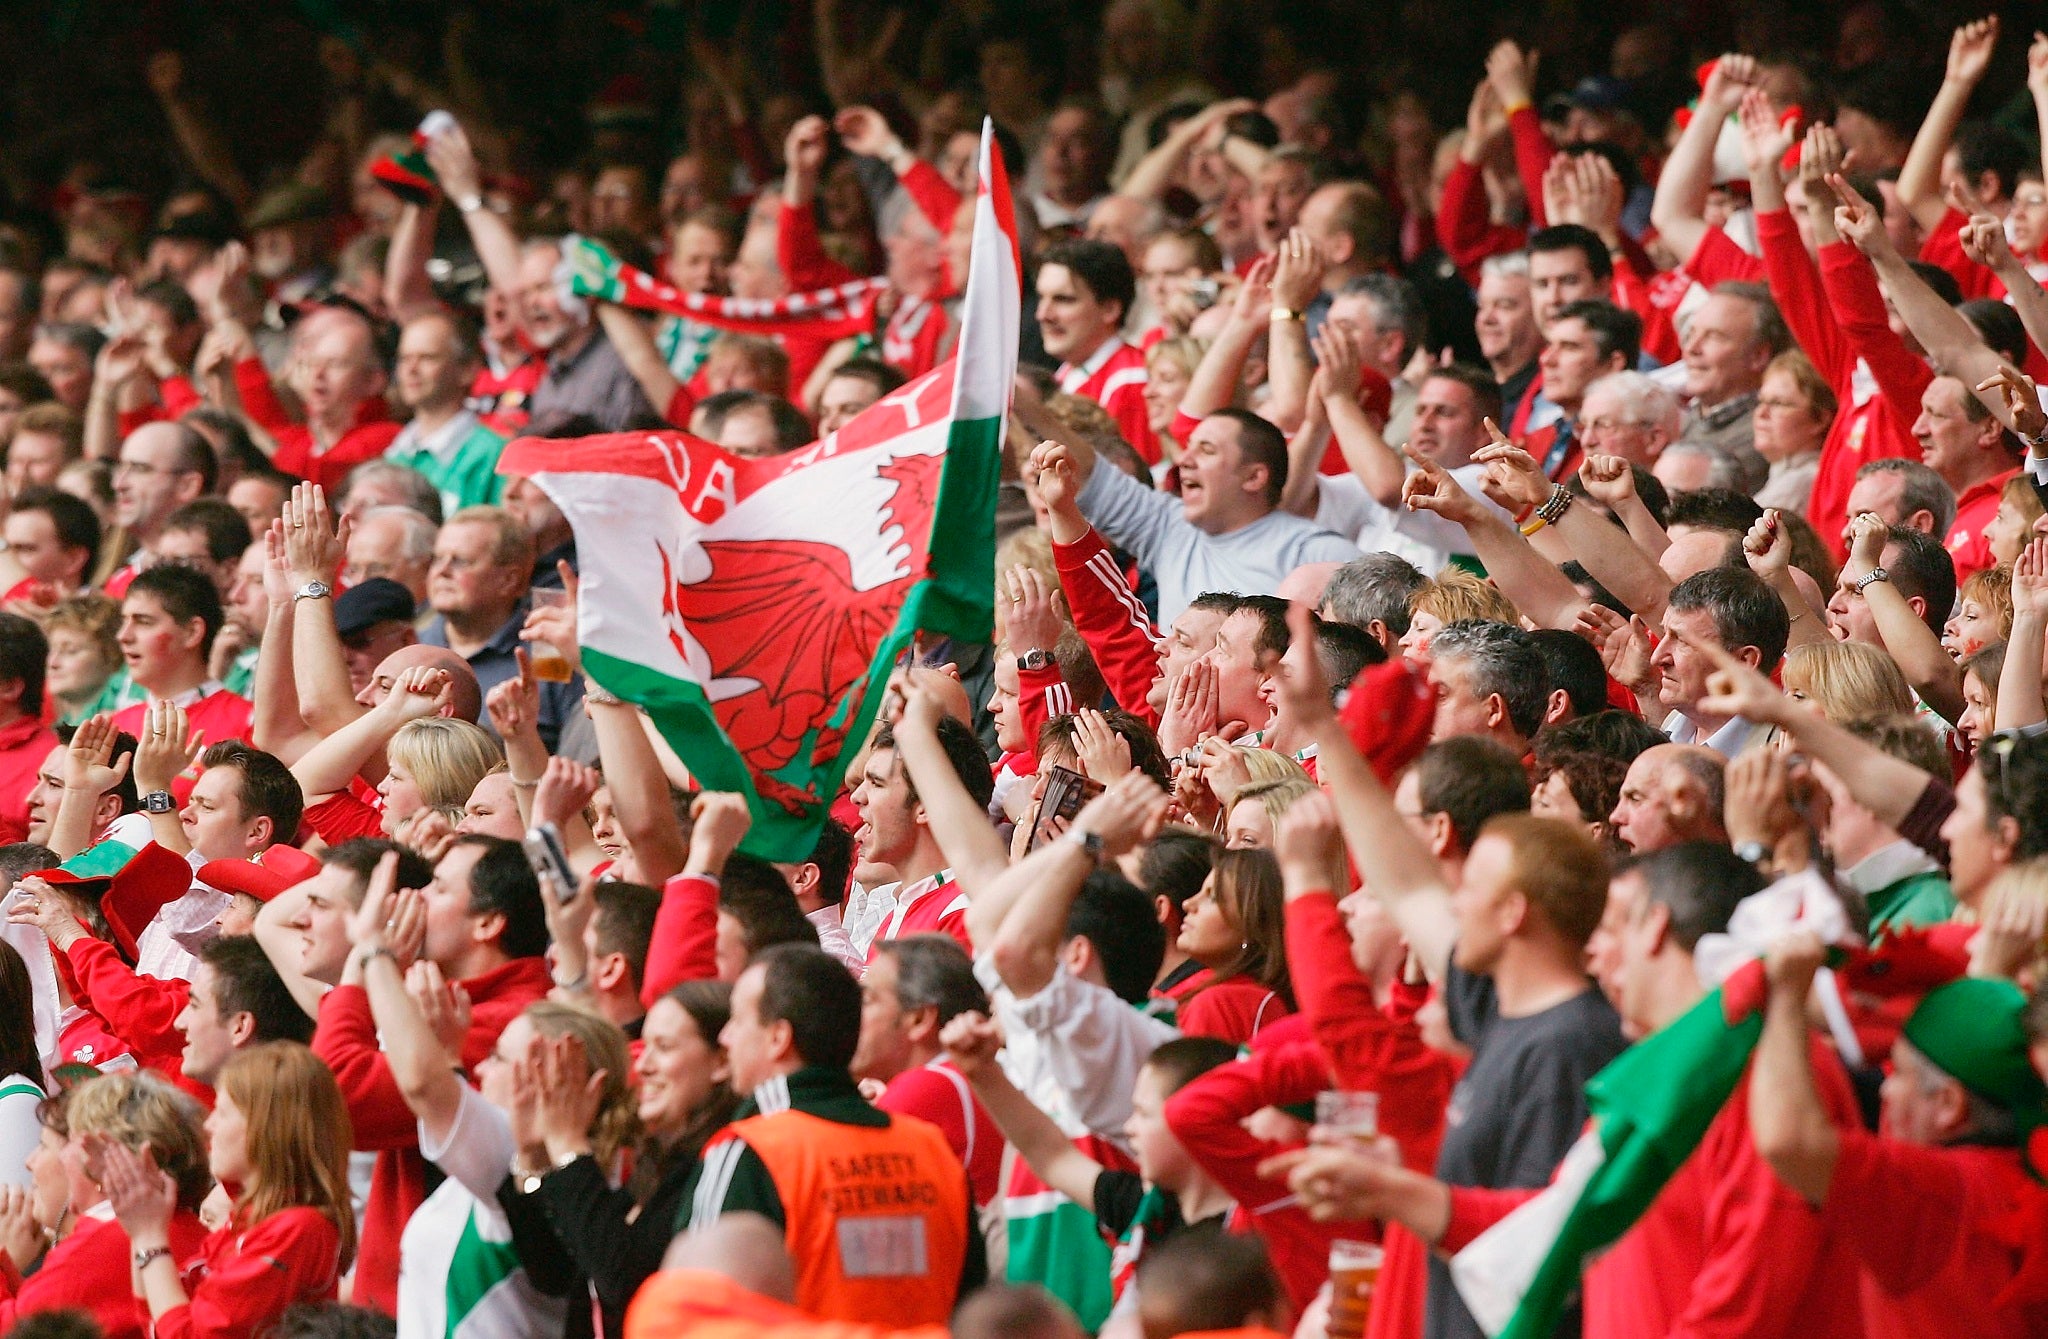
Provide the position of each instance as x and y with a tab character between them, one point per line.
785	614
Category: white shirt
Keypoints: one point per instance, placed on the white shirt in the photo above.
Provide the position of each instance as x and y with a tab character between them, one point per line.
832	937
1423	538
461	1231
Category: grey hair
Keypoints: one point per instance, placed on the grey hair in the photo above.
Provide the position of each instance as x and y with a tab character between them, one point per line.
418	490
1507	265
933	970
1643	399
418	544
1924	489
1375	587
1395	305
1498	660
1722	470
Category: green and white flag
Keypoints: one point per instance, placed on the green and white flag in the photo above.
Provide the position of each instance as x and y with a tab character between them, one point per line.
756	607
1649	1110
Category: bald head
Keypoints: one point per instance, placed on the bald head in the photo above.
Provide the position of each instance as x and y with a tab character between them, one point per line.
1672	794
1307	583
743	1247
466	699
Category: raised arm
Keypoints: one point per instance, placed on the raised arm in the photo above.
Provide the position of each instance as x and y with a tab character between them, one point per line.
1952	344
1790	1126
1919	184
163	750
386	931
1531	582
1214	383
314	549
1155	172
454	163
1927	664
1767	548
1035	895
1679	210
198	138
277	727
281	944
408	292
1983	239
1297	278
968	840
328	766
972	1042
2019	684
1365	450
90	771
1876	780
1399	869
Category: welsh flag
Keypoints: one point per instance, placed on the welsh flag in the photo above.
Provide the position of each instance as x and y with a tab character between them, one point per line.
1649	1110
590	270
756	607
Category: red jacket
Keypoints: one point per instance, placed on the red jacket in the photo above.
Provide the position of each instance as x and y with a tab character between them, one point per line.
1726	1250
1838	316
685	942
1111	620
89	1271
1207	1116
247	1279
1372	1049
141	1010
365	439
346	1039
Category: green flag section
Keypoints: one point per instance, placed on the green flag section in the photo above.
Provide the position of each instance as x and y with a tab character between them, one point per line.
1650	1109
755	607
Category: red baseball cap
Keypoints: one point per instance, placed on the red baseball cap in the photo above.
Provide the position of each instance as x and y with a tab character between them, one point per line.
263	878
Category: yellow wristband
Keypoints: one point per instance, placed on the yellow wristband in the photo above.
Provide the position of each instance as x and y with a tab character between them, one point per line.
1532	525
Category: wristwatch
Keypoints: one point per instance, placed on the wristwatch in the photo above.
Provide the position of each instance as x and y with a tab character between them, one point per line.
470	203
1752	852
159	802
1035	659
1285	314
1873	576
1091	842
312	590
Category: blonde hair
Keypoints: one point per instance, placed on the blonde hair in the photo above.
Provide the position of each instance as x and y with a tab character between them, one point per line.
2019	490
299	1138
96	617
445	758
1848	680
1272	765
1184	350
618	1121
1276	795
1454	594
1992	588
142	1110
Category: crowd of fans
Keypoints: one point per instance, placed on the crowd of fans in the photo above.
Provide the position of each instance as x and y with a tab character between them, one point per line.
1464	592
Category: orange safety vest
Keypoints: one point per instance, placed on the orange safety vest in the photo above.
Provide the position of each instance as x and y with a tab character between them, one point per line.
876	1217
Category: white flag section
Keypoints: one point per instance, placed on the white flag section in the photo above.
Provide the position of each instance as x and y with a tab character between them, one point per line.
754	607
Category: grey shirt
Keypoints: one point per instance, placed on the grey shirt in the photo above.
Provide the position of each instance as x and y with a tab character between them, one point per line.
1186	561
1729	429
594	381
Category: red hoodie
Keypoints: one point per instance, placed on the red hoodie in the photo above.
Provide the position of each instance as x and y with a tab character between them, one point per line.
1111	620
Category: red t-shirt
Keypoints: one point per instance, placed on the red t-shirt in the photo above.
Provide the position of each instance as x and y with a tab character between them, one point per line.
1975	510
1114	377
936	1093
217	716
1233	1009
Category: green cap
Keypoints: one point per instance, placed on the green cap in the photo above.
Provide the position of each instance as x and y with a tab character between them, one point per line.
1972	1030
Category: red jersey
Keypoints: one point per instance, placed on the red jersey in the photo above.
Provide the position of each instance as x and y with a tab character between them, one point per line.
684	946
1114	377
217	715
89	1271
1944	247
1233	1009
937	1093
1838	316
933	905
501	399
249	1277
1976	1224
1112	620
1975	510
297	452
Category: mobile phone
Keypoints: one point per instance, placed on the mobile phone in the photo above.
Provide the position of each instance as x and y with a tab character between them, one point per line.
1204	292
550	860
1066	792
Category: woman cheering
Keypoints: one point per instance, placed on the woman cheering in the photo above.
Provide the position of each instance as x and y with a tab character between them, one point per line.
279	1137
